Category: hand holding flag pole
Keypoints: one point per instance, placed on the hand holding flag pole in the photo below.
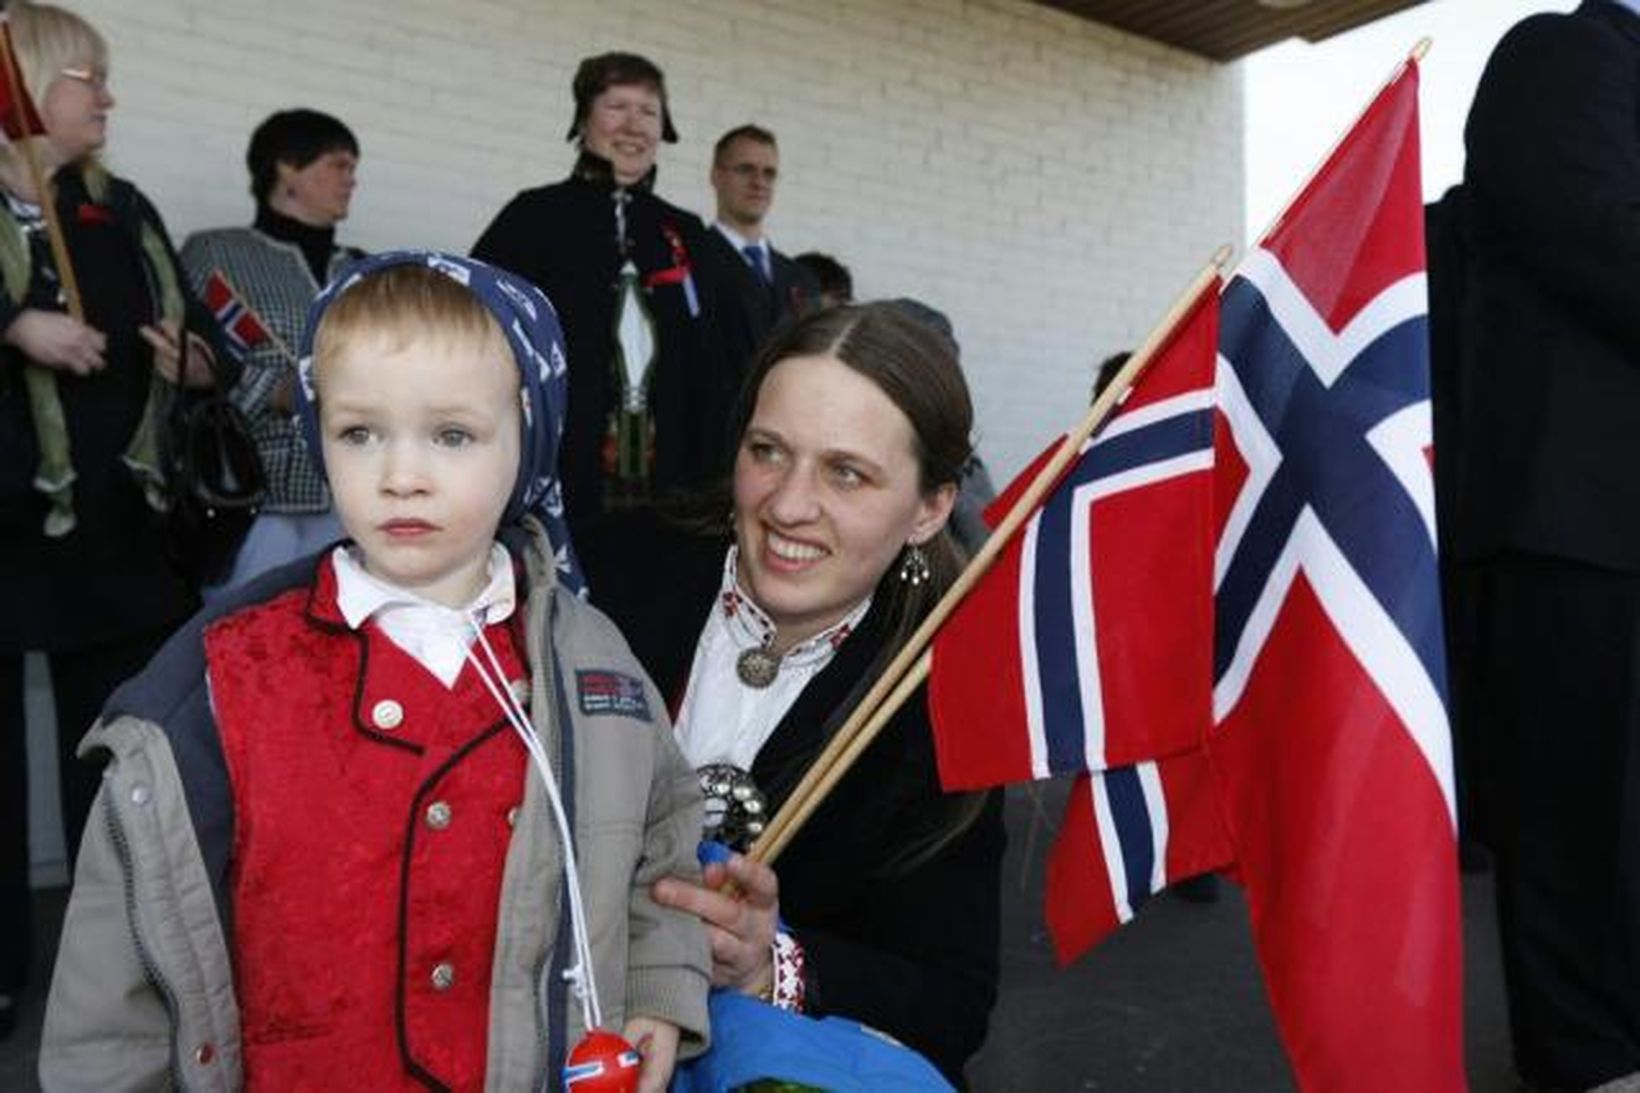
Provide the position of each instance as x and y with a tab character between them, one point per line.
909	668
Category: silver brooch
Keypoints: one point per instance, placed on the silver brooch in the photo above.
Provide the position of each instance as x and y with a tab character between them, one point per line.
736	811
757	667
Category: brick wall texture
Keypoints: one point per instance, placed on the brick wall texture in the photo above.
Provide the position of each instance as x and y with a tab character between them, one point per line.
1048	182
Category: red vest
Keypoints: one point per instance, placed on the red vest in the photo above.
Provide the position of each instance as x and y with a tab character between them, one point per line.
371	824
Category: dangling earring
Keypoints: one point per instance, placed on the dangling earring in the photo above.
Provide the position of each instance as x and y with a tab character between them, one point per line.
914	569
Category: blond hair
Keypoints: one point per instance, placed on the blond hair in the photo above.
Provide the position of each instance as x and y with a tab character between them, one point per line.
401	305
47	39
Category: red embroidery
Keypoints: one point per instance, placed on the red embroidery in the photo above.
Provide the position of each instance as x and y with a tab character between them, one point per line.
88	213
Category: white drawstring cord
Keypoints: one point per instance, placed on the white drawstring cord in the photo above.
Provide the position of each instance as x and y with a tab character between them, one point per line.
581	974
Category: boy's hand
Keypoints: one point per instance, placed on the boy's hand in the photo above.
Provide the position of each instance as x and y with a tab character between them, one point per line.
657	1043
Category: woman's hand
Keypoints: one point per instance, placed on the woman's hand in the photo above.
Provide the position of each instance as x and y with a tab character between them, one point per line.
57	341
164	338
741	924
657	1043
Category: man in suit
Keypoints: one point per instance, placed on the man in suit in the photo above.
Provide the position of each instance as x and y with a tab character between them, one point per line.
1547	515
760	285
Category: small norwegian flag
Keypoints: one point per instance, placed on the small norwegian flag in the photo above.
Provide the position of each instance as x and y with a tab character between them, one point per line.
242	326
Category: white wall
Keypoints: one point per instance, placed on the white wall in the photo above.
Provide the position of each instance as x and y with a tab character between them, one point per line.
1048	182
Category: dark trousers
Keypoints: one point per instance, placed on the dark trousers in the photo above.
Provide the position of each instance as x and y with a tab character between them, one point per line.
81	682
1556	688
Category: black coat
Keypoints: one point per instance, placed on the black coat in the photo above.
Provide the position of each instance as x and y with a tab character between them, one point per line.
1550	338
113	576
562	237
910	951
751	307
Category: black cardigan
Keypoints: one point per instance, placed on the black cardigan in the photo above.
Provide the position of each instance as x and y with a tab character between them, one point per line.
912	952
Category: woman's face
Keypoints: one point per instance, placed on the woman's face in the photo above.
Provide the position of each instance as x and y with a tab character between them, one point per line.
320	193
826	494
75	110
623	126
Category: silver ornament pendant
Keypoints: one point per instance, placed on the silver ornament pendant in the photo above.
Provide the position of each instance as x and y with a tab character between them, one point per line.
757	667
735	808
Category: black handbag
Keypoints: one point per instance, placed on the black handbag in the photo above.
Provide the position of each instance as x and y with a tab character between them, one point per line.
214	480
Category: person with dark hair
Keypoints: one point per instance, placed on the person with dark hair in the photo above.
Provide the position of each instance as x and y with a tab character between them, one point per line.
975	490
302	165
1546	507
761	287
854	428
835	281
87	575
650	387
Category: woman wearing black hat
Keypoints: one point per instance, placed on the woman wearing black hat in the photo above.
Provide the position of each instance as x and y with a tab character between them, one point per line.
649	393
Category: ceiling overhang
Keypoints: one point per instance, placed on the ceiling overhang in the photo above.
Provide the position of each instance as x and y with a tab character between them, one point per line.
1223	30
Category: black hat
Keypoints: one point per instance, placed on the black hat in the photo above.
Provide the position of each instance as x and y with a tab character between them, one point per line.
595	75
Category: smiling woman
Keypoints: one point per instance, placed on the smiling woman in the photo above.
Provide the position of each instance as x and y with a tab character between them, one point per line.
650	388
854	431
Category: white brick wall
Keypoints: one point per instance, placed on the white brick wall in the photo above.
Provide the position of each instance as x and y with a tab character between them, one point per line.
1048	182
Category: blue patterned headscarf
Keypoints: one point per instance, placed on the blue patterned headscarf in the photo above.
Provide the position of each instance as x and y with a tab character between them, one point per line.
527	318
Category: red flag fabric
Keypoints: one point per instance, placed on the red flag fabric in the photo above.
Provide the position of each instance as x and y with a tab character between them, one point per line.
1088	644
1321	773
242	326
1331	742
18	117
1127	834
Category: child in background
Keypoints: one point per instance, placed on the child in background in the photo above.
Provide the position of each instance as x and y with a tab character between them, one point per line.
333	843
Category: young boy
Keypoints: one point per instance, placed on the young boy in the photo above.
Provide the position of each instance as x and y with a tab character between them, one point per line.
324	853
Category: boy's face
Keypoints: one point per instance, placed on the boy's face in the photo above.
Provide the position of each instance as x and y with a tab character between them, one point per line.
421	445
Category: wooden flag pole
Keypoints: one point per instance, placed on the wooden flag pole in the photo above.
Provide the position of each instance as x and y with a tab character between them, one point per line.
42	191
900	679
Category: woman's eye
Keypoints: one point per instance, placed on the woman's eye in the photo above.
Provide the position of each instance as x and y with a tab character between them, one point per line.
762	451
847	476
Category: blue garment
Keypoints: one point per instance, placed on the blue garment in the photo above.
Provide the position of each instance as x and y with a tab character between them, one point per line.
530	323
752	1040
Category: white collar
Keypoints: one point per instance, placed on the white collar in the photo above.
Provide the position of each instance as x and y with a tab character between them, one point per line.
721	719
435	635
749	625
739	241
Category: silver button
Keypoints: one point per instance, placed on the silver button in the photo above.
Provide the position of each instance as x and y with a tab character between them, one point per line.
438	815
387	715
512	816
139	794
520	689
444	976
205	1055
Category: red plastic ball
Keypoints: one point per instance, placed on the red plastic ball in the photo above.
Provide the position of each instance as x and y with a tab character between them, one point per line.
602	1063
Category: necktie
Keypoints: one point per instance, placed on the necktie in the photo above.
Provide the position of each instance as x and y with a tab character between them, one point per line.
758	259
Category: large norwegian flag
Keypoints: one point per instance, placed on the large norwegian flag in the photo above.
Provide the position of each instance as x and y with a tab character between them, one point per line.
1331	737
1089	642
1321	774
